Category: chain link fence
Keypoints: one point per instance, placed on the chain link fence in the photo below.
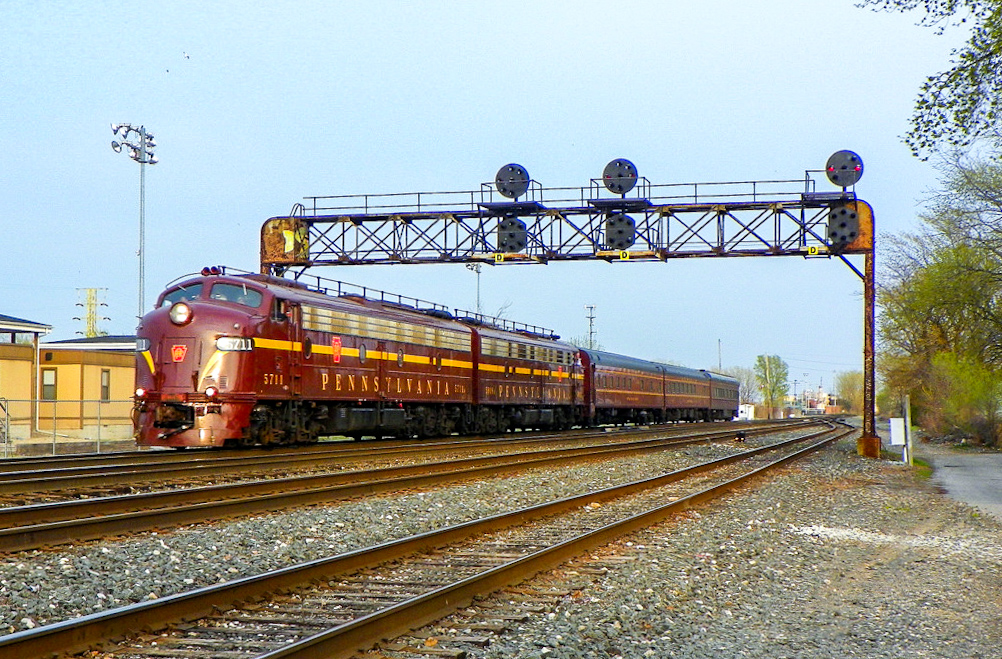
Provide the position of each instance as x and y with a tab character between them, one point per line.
37	426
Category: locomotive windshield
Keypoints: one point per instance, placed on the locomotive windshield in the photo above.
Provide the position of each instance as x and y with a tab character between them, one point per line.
182	294
239	293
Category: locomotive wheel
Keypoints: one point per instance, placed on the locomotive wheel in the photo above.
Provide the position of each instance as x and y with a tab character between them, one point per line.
429	423
310	435
466	422
504	421
446	423
268	436
487	422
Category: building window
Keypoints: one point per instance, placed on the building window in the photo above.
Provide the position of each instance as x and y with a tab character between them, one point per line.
48	384
105	385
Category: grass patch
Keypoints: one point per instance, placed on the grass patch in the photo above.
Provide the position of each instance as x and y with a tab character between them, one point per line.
923	469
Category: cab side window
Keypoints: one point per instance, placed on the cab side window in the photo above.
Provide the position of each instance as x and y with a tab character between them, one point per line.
279	310
182	294
241	294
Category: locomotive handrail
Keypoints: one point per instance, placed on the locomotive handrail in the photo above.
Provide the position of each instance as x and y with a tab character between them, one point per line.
332	287
498	322
338	288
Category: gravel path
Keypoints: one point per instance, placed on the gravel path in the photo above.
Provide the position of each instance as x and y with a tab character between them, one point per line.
836	557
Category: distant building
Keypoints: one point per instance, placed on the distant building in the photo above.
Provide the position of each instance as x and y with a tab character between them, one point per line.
75	391
18	374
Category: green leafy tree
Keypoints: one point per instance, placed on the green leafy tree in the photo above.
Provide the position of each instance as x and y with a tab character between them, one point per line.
958	106
772	373
941	299
952	304
849	390
970	397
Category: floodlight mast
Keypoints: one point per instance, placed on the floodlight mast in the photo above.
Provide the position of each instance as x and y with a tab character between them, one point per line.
640	222
141	150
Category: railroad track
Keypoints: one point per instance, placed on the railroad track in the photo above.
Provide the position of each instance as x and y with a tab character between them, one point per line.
335	606
47	524
95	474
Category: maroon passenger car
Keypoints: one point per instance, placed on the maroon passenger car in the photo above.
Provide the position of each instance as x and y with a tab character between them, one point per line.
247	359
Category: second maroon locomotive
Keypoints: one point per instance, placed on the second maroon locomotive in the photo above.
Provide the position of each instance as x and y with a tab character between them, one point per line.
247	359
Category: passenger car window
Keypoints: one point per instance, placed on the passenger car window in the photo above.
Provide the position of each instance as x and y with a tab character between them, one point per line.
182	294
239	293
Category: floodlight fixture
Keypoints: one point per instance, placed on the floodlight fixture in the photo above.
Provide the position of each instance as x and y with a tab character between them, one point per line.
142	152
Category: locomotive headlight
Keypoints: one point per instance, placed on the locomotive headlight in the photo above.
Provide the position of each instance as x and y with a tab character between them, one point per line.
180	314
235	343
211	392
140	392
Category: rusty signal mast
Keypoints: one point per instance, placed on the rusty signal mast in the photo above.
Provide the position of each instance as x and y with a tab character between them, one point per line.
620	217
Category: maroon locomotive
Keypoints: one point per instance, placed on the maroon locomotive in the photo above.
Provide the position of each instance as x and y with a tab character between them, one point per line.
248	359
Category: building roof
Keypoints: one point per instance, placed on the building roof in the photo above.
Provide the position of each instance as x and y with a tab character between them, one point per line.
21	326
124	343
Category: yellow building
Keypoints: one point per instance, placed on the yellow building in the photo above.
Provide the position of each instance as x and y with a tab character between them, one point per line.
18	376
63	395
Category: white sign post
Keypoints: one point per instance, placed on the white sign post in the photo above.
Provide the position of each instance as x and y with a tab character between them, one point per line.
908	429
898	436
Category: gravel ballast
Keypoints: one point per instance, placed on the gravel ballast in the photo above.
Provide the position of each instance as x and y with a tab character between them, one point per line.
835	556
838	557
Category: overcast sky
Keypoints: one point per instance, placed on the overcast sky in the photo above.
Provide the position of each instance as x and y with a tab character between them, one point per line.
255	107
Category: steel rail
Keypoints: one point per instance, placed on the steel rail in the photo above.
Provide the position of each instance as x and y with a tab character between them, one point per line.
361	633
24	463
104	476
156	462
90	630
17	464
47	524
344	640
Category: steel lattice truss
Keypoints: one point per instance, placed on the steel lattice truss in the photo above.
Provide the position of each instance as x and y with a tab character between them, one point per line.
763	218
460	227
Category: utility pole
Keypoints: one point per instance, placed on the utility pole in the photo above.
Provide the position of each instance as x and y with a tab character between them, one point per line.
591	326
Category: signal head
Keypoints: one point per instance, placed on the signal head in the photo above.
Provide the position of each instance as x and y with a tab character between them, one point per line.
512	181
620	176
844	168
